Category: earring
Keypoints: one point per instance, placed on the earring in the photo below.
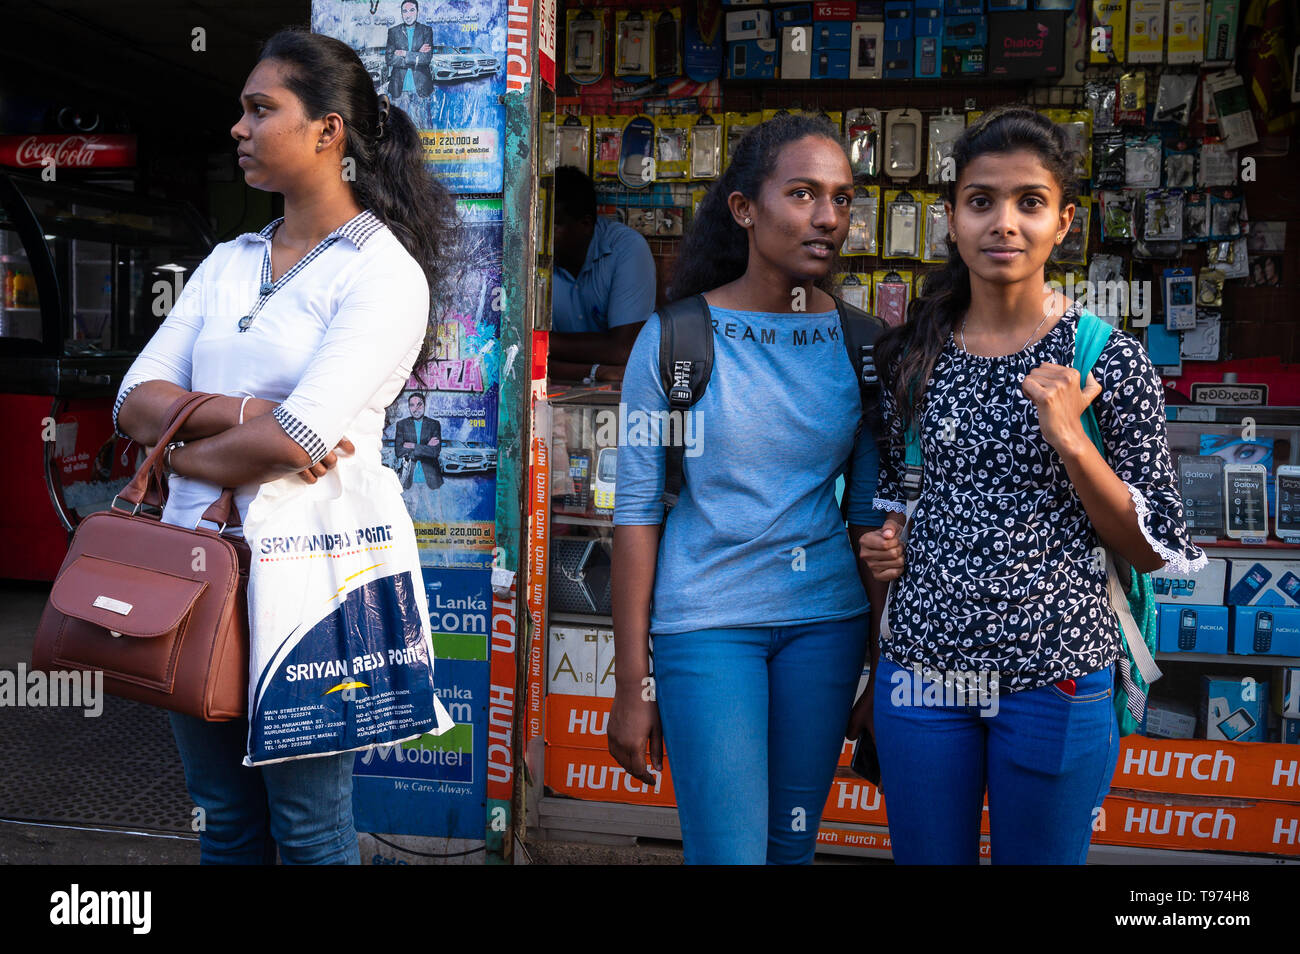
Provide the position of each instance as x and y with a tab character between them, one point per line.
746	220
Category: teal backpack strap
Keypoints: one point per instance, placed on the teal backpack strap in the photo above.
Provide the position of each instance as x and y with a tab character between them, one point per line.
912	463
1089	341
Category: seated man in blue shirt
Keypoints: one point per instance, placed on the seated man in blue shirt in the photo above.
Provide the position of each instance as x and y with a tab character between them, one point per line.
603	288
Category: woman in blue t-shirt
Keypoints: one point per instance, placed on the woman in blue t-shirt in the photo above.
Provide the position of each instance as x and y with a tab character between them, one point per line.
753	594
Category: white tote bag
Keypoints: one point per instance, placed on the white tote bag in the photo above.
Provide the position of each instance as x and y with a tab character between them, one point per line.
341	657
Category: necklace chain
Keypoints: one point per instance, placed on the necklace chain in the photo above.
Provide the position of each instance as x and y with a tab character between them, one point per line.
962	333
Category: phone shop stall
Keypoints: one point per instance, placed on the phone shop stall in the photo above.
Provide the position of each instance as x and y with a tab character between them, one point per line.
1179	238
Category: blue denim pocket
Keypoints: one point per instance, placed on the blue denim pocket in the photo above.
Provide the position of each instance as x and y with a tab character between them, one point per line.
1089	687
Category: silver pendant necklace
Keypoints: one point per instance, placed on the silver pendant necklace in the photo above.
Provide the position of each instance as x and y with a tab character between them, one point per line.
962	334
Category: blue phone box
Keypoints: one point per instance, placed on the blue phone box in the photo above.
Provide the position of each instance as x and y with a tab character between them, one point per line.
1191	628
929	18
1234	709
752	59
832	35
1275	629
898	20
797	15
898	59
830	64
928	67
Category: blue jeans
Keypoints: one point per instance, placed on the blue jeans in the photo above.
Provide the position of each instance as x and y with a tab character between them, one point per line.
303	805
753	724
1045	756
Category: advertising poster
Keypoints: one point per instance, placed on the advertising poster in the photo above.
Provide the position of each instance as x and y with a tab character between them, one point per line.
441	432
442	62
433	785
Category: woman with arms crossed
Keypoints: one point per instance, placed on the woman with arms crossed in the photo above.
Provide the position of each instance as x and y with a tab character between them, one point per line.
759	615
1000	578
309	328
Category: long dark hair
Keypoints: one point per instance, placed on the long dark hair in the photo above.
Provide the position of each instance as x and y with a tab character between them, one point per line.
716	250
906	354
391	178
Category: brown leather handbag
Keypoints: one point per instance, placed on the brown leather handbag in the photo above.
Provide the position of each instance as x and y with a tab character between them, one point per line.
161	610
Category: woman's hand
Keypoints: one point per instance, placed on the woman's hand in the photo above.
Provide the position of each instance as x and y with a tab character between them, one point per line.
634	720
1055	391
882	551
861	718
322	466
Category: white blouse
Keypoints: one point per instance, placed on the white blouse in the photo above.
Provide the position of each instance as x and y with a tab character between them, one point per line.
333	340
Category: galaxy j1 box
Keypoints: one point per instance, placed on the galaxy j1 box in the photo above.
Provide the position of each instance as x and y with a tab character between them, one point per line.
1206	586
1265	631
1233	709
1026	45
1190	628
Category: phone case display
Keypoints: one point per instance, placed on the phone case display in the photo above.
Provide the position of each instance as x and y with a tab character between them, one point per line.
1174	96
1073	249
855	289
862	128
863	217
1162	216
1180	298
737	125
1117	216
1131	107
902	143
668	43
1221	18
584	60
573	142
1287	506
866	50
673	146
1236	125
1186	28
546	143
706	147
632	44
902	225
607	131
891	290
944	130
636	166
936	229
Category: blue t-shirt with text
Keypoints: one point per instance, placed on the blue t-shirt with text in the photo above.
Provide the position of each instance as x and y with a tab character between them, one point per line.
756	538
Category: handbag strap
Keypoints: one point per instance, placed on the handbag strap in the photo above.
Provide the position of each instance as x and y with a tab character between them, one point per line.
149	485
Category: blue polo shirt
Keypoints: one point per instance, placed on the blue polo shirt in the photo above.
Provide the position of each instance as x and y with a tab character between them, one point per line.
615	287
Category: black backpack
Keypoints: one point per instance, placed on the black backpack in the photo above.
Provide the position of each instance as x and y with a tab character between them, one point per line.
686	363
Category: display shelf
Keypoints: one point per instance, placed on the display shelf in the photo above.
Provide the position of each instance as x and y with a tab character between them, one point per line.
1135	855
582	619
1231	659
582	521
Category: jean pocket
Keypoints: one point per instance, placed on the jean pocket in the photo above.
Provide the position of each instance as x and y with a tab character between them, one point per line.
1091	687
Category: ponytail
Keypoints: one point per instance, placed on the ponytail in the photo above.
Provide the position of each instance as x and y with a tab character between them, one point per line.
391	178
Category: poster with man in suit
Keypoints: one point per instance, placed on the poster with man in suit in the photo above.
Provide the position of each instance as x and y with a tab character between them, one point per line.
417	444
407	55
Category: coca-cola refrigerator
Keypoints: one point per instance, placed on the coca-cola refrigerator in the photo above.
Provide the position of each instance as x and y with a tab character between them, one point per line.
88	275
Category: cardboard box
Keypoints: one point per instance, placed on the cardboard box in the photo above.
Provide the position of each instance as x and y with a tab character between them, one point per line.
752	59
579	722
1221	17
749	25
1286	692
1169	720
593	775
898	59
799	14
1234	709
1291	731
1026	45
929	57
571	660
1184	825
965	33
962	63
1203	768
871	10
835	10
1264	583
1193	629
961	8
866	50
830	64
1205	587
796	52
898	20
831	35
1276	632
928	18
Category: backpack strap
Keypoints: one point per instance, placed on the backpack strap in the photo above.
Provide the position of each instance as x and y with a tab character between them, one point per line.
685	365
859	332
1089	341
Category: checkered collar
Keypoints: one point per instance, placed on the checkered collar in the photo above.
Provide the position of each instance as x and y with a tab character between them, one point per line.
357	230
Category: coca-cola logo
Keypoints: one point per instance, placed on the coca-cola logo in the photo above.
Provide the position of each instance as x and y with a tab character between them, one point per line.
75	151
72	151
